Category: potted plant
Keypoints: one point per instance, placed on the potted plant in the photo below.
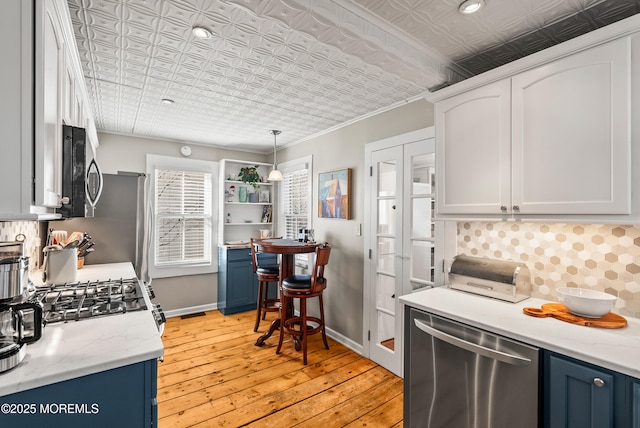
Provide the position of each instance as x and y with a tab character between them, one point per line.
249	175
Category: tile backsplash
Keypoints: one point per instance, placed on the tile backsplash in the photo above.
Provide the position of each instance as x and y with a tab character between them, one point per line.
32	244
599	257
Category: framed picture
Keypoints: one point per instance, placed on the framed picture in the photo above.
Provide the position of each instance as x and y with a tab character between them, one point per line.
263	196
266	214
334	193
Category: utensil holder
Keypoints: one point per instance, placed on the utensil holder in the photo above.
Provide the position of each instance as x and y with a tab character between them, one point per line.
62	266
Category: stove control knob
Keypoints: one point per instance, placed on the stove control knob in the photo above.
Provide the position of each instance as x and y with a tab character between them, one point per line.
152	294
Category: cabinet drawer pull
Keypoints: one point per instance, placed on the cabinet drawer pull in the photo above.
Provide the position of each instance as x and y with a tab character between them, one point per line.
516	207
598	382
503	208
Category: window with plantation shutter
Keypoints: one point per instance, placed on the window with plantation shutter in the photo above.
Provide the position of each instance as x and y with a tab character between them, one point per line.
183	216
295	201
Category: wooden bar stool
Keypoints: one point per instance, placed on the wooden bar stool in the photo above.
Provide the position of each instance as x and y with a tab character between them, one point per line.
267	274
304	287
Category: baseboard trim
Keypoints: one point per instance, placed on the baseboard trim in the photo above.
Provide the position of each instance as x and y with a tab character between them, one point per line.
190	310
340	338
343	340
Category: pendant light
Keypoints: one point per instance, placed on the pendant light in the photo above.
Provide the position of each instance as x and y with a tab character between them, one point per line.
275	175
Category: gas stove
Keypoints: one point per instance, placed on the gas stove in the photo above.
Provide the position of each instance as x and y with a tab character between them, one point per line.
83	300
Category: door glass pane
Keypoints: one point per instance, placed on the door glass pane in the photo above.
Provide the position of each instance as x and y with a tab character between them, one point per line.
421	218
387	178
421	262
385	293
387	216
386	325
421	172
386	255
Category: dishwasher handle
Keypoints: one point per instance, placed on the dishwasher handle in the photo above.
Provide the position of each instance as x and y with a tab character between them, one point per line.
515	360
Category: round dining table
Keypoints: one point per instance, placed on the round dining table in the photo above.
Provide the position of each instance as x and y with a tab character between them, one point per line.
287	248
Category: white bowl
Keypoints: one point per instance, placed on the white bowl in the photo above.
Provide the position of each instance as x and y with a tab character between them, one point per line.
586	303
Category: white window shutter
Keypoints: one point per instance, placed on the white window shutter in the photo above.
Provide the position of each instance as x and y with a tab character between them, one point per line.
183	217
295	201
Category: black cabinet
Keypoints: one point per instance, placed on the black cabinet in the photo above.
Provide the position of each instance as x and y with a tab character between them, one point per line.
237	284
582	395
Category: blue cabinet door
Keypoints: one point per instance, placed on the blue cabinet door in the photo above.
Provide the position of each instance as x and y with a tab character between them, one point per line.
634	386
242	287
580	395
121	397
237	284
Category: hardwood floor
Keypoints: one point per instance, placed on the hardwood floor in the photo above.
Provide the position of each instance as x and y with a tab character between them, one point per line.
214	376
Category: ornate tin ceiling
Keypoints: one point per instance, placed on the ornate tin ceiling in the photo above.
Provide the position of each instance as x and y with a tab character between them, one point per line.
302	66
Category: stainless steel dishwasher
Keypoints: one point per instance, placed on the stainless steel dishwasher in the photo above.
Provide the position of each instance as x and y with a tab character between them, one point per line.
458	376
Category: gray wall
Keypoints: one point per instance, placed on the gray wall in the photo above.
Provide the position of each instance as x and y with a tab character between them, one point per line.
342	148
125	153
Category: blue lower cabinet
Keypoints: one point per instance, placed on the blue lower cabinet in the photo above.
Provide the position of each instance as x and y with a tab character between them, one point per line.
581	395
634	391
237	283
122	397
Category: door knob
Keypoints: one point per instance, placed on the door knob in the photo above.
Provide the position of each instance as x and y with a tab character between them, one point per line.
503	208
516	207
598	382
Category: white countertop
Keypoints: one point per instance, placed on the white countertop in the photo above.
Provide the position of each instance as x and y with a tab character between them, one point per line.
73	349
615	349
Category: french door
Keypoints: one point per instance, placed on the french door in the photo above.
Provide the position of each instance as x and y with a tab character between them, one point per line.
401	239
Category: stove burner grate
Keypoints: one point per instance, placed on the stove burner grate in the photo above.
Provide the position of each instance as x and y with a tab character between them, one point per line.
82	300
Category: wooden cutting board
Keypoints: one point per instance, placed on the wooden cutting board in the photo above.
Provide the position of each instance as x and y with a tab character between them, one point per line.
560	311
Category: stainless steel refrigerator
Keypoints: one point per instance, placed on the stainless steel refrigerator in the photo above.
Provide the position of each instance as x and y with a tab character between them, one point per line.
119	228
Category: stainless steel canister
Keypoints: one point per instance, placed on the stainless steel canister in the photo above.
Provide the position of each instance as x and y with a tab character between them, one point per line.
11	249
14	277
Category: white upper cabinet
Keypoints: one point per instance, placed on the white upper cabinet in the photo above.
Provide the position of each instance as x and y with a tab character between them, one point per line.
553	140
473	151
571	136
49	82
42	88
69	110
16	87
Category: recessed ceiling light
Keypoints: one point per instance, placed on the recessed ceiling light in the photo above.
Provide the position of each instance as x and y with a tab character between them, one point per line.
201	32
470	6
167	101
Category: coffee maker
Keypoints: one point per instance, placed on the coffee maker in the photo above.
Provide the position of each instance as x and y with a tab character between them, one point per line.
20	318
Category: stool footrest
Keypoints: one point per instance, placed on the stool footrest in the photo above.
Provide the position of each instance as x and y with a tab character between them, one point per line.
293	325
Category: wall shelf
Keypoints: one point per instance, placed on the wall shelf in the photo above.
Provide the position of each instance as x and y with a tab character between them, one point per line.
248	203
247	224
246	217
